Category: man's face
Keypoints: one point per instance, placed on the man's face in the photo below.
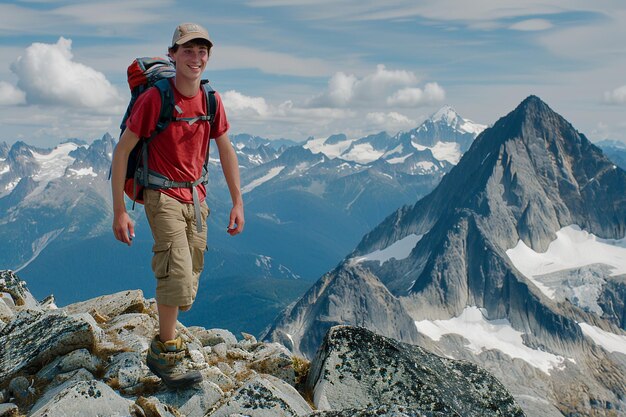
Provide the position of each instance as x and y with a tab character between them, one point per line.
191	60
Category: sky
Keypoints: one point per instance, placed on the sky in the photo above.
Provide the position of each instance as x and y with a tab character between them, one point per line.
298	69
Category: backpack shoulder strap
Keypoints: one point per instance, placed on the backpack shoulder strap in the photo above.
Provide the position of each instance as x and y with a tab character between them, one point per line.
211	102
167	106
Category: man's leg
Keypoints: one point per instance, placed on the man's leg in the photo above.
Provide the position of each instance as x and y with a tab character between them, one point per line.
168	315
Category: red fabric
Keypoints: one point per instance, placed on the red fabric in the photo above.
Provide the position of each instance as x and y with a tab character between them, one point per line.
180	150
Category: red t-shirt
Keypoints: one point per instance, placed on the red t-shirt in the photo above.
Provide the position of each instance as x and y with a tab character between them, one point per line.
180	150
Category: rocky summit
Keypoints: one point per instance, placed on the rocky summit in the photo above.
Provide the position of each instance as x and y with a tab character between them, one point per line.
88	358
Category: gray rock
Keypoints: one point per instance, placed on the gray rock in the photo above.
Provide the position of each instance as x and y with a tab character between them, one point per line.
132	331
152	407
381	411
111	305
373	370
81	398
215	375
274	359
248	337
20	388
238	354
33	338
9	410
194	401
79	358
76	375
213	337
220	349
6	313
265	396
11	284
128	368
225	368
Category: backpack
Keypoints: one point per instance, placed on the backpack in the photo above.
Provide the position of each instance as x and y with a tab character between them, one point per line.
144	73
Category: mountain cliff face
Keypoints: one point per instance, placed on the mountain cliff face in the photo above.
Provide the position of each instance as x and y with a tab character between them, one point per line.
481	254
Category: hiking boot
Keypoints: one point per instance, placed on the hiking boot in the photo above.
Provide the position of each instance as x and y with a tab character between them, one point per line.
165	361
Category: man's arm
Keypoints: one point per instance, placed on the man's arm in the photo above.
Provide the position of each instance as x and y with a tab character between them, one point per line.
230	167
123	227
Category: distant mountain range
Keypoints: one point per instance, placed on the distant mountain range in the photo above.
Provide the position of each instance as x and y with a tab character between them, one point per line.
306	206
516	261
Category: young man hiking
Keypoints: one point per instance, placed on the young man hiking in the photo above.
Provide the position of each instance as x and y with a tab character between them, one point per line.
177	153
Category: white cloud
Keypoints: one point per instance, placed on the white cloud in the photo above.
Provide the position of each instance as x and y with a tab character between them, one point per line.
48	75
392	87
11	95
390	122
240	105
617	96
413	96
530	25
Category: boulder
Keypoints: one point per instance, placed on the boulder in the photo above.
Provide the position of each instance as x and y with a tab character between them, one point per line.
128	368
274	359
132	331
265	396
16	288
381	411
213	337
81	398
152	407
6	313
9	410
36	337
195	401
79	358
110	305
372	370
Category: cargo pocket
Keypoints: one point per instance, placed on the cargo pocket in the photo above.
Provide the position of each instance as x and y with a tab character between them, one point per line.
161	259
197	257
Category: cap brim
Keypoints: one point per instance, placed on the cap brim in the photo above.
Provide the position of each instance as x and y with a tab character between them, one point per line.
192	36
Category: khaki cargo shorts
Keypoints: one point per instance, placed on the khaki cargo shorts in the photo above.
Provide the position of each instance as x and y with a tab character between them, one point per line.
178	257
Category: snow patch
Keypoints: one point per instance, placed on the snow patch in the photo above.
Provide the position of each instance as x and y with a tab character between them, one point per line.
611	342
443	151
483	334
399	160
54	164
398	250
363	154
331	151
5	170
271	174
83	172
426	166
471	127
572	250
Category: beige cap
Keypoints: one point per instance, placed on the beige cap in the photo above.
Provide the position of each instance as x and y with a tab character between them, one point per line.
188	31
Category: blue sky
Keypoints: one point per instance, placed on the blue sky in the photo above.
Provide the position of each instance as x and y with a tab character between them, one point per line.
294	69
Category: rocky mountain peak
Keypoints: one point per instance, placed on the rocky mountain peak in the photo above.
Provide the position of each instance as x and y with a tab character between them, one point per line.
445	114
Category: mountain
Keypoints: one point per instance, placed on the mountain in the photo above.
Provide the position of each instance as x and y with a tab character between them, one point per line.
337	188
304	211
56	214
516	262
615	151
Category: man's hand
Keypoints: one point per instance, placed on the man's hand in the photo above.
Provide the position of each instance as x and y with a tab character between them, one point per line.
236	219
123	228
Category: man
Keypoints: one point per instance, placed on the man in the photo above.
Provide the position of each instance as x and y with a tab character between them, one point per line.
178	153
